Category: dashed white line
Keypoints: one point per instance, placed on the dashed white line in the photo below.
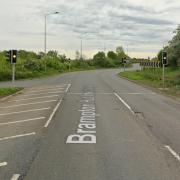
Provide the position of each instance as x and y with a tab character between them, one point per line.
33	98
15	177
21	121
52	114
40	102
69	85
172	152
3	164
130	109
17	136
31	110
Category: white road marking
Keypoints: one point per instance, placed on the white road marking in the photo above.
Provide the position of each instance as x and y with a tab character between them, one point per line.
55	92
130	109
52	89
33	98
15	177
40	102
17	136
69	85
31	110
21	121
173	152
52	114
3	164
101	93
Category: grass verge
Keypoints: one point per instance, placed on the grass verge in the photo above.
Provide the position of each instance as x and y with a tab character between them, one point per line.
153	78
8	91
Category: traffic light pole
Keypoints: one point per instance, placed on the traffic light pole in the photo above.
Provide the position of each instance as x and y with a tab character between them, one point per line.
163	76
13	72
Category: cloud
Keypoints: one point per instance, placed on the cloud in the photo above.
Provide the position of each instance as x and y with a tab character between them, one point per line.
138	23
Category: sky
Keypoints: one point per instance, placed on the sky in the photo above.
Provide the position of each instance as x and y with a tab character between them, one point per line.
142	27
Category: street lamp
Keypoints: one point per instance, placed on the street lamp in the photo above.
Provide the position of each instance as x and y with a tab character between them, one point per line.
45	33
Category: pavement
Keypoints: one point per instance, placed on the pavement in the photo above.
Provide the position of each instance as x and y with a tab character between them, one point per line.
89	125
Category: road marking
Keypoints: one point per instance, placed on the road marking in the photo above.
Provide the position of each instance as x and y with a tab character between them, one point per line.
27	104
31	110
55	92
33	98
50	87
15	177
173	152
69	85
3	164
17	136
52	114
21	121
45	90
130	109
101	93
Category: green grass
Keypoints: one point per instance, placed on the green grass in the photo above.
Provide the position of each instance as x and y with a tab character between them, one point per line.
8	91
153	78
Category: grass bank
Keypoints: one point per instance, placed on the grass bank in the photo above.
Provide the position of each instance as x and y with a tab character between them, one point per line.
8	91
153	78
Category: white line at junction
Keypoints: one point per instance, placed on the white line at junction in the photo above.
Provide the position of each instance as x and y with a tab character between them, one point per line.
69	85
18	112
52	89
15	177
52	114
130	109
21	121
173	152
17	136
49	87
53	92
33	98
3	164
40	102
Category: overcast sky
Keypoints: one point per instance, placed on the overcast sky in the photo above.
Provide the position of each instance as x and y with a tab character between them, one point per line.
140	26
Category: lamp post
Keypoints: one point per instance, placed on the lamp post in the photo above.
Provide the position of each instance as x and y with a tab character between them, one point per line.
45	33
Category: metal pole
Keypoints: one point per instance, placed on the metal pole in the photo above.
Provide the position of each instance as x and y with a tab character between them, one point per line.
124	66
45	33
81	49
45	40
13	72
163	78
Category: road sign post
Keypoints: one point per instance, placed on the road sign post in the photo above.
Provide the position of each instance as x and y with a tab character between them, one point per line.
164	62
13	72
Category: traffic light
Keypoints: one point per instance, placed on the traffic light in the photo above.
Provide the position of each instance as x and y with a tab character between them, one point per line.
164	58
124	60
8	55
14	57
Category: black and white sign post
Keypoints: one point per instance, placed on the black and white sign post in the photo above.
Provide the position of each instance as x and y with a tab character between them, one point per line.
164	63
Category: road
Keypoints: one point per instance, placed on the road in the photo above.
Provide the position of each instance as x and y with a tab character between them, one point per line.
89	125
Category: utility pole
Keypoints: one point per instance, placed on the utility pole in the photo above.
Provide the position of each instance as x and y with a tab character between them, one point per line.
81	48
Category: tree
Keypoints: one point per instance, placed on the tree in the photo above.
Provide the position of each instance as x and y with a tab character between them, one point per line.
120	52
112	55
100	59
53	54
173	49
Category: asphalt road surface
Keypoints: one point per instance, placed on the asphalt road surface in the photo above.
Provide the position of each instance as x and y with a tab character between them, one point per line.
88	126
